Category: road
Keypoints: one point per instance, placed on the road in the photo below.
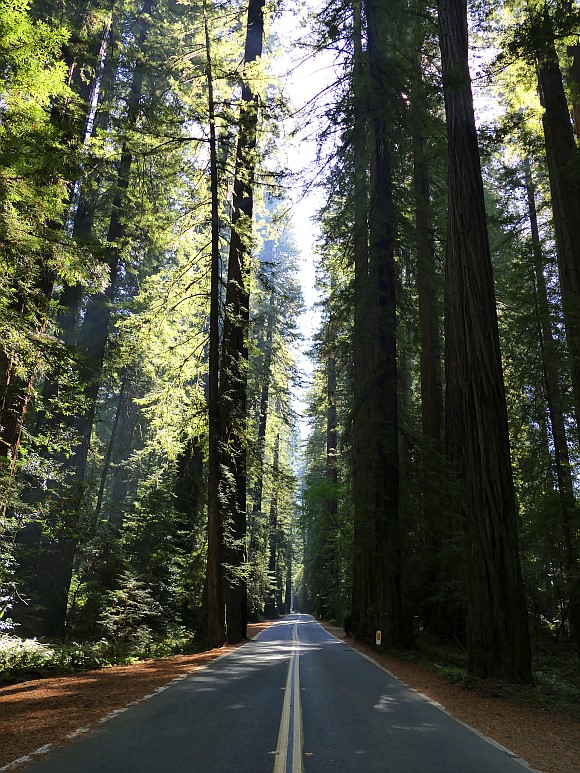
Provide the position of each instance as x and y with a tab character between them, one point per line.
293	700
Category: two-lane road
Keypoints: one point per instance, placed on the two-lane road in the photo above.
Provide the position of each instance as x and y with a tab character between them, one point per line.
293	700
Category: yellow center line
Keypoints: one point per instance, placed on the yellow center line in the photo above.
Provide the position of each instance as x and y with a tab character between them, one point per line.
297	766
289	748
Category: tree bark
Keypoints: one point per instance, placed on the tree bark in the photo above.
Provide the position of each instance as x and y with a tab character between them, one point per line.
361	624
271	605
331	474
109	455
266	347
562	157
233	371
435	615
498	637
384	443
554	399
214	593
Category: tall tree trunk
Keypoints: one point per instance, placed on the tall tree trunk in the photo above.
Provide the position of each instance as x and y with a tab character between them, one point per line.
331	475
362	581
271	606
430	359
498	636
256	518
233	372
109	455
123	482
568	507
214	592
266	347
384	443
562	157
288	583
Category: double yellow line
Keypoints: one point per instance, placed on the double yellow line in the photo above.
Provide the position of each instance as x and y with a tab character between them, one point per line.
289	749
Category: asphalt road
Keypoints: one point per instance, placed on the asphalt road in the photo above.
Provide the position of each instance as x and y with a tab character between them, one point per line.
294	700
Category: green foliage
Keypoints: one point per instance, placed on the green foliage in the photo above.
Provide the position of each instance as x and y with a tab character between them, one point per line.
26	658
22	659
453	673
32	187
129	615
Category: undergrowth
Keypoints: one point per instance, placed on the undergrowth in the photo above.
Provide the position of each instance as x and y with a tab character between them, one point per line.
22	659
556	674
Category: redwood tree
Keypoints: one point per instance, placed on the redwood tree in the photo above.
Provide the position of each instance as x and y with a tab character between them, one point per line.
233	371
498	637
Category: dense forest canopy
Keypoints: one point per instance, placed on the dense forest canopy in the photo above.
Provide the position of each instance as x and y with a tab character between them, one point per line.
154	487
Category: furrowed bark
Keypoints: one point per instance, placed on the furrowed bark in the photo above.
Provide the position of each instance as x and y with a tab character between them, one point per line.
233	372
214	593
498	637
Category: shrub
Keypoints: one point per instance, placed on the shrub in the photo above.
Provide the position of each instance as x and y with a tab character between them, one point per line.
130	611
21	657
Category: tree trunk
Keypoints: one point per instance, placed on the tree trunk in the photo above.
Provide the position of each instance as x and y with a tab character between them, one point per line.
498	637
432	472
562	157
109	456
266	347
384	443
233	372
331	474
550	359
361	624
270	607
214	594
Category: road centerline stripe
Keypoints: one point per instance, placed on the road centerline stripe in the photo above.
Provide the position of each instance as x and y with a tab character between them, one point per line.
289	748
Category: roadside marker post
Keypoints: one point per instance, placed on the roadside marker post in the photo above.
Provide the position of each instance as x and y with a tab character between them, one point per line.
378	638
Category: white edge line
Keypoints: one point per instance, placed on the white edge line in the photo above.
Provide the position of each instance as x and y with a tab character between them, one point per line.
257	636
28	757
19	761
42	750
77	732
439	706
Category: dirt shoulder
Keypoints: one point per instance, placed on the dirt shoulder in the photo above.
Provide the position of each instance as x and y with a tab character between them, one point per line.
546	740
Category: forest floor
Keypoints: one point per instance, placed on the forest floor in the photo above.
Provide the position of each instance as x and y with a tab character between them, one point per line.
54	711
